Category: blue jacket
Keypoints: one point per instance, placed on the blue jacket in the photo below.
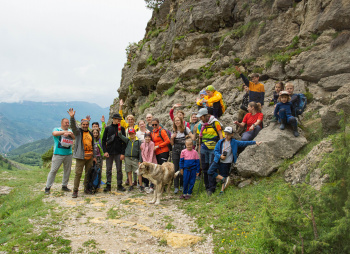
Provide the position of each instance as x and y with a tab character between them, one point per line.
287	106
234	145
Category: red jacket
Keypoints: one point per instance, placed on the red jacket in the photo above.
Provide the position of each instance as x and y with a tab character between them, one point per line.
158	141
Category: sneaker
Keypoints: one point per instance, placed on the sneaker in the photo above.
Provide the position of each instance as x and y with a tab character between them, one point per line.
209	193
296	133
142	189
88	192
107	188
121	188
221	193
75	194
226	182
182	197
134	183
273	120
187	197
181	188
176	190
131	188
65	188
47	191
283	126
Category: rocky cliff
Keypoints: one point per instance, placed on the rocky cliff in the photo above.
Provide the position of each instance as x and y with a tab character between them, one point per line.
191	44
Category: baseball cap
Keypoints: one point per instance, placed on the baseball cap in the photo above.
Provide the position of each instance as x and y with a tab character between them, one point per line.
131	130
284	93
117	116
228	129
202	112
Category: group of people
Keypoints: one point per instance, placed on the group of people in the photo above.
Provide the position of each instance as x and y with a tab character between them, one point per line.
201	146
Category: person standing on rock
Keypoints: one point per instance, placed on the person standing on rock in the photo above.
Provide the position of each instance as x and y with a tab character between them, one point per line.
225	153
62	153
84	152
243	110
210	132
256	89
114	150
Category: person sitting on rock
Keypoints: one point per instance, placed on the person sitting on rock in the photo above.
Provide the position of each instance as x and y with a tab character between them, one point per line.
253	120
179	113
243	110
200	102
283	113
214	101
256	89
294	98
178	142
225	153
278	88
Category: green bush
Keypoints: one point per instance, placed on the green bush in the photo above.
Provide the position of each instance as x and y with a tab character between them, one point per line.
47	156
144	106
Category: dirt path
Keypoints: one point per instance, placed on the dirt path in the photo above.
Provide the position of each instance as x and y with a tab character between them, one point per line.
124	222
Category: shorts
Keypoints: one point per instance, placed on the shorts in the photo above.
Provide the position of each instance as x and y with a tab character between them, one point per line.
131	164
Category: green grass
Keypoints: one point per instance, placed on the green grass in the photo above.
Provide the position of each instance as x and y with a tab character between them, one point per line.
144	106
20	208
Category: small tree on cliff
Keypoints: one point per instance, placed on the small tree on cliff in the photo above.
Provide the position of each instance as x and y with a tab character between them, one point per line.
154	4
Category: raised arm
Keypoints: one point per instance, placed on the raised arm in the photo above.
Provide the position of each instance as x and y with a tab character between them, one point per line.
244	78
73	124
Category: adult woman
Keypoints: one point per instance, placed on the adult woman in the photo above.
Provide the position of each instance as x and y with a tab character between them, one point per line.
140	134
130	124
253	120
179	113
161	142
177	140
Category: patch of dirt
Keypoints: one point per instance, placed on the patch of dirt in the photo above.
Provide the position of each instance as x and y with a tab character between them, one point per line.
124	222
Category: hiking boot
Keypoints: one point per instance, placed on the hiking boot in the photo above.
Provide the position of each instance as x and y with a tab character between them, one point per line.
296	133
127	182
176	190
142	189
121	188
182	197
65	188
47	191
134	183
221	193
226	181
131	188
282	126
75	194
107	188
88	192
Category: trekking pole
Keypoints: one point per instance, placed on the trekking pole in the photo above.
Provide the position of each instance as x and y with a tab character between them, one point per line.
200	182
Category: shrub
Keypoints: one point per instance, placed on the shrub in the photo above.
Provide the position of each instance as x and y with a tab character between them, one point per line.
144	106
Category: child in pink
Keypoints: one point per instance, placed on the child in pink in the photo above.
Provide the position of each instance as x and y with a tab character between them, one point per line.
148	155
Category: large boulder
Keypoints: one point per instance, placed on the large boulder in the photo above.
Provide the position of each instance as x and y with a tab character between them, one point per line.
277	146
309	166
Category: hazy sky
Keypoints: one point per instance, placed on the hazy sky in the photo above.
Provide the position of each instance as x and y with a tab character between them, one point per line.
64	50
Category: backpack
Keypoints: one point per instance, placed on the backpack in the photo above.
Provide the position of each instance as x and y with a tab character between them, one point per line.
214	127
169	136
300	104
94	178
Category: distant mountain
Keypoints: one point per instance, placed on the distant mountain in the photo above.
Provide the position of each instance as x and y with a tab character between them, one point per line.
25	122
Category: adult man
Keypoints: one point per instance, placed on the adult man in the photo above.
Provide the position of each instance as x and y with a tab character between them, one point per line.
62	153
114	150
210	132
149	118
83	152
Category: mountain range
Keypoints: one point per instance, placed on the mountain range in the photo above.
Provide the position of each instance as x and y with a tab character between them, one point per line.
28	121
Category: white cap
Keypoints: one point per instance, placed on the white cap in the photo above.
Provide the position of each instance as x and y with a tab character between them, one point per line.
228	129
202	112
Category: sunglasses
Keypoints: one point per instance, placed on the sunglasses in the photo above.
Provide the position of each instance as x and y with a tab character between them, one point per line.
155	124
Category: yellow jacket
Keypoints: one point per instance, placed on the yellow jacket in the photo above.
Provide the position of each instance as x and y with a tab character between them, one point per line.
124	124
217	96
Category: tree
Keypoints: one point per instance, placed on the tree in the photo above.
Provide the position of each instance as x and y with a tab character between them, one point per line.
154	4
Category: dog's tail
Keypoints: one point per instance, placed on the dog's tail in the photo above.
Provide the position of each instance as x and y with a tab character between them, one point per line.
177	173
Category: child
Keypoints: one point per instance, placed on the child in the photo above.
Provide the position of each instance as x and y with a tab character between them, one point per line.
293	97
278	88
200	102
189	166
283	112
133	156
98	148
148	155
225	153
243	109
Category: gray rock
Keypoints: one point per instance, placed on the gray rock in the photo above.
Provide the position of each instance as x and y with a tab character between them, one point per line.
277	145
333	83
298	172
191	68
5	190
244	183
282	4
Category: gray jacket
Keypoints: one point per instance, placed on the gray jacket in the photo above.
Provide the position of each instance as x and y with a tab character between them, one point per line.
79	146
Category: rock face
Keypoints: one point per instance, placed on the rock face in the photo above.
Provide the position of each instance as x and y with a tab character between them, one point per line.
265	159
298	172
191	44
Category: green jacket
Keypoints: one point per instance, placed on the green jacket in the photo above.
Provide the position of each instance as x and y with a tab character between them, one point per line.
133	148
